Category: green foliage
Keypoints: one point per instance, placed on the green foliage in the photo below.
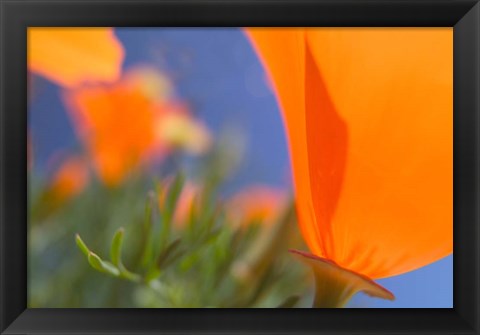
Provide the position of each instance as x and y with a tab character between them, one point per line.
201	264
132	251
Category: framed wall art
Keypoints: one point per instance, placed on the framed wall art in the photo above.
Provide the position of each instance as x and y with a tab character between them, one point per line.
239	167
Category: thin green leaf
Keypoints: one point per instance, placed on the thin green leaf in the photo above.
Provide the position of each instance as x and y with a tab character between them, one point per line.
116	255
173	257
149	225
102	266
168	252
116	248
173	194
82	246
168	210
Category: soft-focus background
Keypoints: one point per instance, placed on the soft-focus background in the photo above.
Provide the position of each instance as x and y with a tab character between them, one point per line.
217	73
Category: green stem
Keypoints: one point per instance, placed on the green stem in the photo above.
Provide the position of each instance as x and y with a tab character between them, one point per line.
335	286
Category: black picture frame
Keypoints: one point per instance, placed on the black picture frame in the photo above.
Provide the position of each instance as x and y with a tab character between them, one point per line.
17	15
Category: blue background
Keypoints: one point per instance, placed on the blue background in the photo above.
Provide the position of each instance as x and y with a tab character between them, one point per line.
217	72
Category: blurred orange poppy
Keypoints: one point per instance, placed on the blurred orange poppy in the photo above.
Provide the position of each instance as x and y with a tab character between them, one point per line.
70	179
257	204
72	56
123	124
368	113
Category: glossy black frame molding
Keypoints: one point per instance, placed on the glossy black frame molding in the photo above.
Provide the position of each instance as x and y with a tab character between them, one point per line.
15	16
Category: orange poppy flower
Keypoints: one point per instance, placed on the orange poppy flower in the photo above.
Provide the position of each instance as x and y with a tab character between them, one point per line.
71	56
368	113
70	179
122	124
258	203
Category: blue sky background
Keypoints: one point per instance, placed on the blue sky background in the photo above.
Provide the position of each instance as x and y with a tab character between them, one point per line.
217	72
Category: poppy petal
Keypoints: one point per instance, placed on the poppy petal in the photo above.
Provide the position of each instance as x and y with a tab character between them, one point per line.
116	124
394	90
70	56
370	141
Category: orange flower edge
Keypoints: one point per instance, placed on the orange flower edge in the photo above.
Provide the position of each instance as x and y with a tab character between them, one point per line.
73	56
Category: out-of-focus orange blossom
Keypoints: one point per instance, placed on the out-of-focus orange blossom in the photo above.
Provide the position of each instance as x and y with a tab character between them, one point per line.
257	204
73	56
368	114
123	124
70	179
